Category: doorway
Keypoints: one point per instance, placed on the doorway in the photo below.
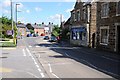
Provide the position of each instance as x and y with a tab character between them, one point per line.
93	40
118	39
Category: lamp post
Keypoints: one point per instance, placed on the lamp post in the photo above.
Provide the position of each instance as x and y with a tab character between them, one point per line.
16	13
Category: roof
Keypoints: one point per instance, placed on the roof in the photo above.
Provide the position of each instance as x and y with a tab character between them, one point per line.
67	22
37	26
27	30
21	26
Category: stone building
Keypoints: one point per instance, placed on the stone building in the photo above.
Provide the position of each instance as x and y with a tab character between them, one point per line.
108	26
21	29
83	24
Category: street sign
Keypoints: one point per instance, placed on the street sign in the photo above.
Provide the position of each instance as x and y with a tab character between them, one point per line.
9	32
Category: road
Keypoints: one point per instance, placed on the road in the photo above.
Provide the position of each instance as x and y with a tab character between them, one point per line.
38	58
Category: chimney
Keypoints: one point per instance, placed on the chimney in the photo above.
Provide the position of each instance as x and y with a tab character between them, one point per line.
42	23
78	1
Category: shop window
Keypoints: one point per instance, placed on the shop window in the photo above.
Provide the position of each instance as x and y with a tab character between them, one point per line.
82	35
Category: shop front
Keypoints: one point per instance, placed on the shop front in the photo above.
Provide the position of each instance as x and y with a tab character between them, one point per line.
79	36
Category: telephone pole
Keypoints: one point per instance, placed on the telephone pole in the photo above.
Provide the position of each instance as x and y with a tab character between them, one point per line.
12	19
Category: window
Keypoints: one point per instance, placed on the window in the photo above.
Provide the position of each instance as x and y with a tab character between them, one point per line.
118	8
104	35
82	35
104	10
78	15
84	14
74	19
78	34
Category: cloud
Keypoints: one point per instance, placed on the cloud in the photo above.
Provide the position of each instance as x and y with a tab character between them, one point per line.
38	9
6	11
56	17
28	11
21	19
6	3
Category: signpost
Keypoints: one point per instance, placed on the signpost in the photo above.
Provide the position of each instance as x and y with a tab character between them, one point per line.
9	32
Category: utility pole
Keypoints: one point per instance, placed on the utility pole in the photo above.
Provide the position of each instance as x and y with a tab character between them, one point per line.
12	20
16	13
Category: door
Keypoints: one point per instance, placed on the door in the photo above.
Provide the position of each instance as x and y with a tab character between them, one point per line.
93	40
118	38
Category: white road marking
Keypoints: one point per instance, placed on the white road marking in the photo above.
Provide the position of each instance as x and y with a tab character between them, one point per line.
55	75
109	59
35	63
39	70
24	54
51	71
28	52
37	46
42	74
37	66
30	46
50	68
33	75
39	55
90	64
67	55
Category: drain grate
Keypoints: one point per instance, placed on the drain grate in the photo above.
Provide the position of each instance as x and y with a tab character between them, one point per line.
39	52
5	53
3	56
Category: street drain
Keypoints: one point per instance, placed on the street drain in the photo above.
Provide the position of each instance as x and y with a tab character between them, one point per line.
3	57
5	53
41	52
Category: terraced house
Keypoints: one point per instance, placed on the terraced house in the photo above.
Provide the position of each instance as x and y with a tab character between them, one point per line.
108	26
83	24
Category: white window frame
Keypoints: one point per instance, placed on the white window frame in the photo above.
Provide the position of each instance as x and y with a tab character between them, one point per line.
117	14
104	27
102	14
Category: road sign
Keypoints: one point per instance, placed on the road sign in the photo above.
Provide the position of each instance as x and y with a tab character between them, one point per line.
9	32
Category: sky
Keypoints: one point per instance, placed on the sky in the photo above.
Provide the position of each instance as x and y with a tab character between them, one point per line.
38	11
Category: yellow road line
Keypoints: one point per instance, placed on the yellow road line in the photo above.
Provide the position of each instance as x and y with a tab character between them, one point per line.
5	70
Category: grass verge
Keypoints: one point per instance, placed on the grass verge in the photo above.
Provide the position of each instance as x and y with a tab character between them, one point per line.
7	44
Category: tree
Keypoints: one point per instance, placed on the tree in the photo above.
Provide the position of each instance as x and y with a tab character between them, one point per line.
29	26
6	25
56	31
65	34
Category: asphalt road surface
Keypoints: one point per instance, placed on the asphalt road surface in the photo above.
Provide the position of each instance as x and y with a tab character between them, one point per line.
38	58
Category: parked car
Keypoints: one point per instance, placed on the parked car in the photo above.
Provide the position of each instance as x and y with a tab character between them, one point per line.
46	38
29	35
34	35
53	39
